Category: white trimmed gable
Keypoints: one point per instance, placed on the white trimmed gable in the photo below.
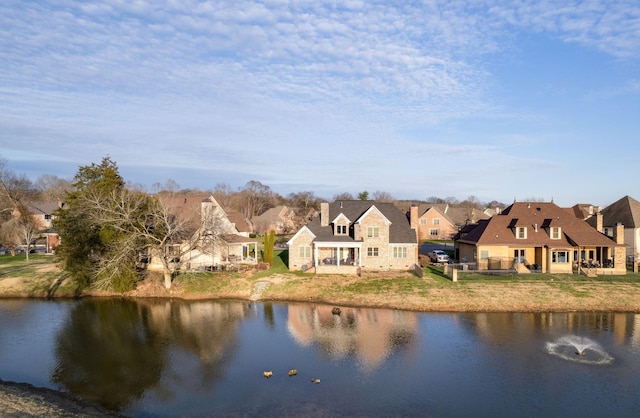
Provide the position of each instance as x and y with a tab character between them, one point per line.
373	209
341	217
301	231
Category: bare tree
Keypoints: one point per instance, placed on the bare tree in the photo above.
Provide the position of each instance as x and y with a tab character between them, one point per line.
343	196
380	196
223	194
304	201
135	222
10	236
257	197
52	188
16	195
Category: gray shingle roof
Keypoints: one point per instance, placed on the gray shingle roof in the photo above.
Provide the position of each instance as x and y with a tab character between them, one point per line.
625	210
400	231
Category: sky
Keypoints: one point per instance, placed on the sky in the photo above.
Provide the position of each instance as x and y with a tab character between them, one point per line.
500	100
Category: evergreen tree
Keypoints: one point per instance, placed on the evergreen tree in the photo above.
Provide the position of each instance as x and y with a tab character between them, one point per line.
83	241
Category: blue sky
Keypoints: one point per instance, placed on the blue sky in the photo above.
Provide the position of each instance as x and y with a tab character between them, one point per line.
500	100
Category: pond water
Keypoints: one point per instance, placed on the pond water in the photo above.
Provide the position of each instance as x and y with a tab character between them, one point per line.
161	358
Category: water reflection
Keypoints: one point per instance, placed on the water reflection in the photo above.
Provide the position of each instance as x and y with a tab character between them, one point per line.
115	351
622	328
163	358
370	335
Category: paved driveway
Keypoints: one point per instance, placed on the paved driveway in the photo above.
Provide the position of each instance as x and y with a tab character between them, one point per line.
425	249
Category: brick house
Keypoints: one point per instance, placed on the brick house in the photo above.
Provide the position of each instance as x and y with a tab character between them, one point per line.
42	212
354	235
441	221
541	236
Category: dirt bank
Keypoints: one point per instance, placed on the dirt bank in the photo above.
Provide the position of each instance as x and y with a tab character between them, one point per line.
24	400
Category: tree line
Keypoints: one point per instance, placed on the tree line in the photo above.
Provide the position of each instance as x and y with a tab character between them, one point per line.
106	224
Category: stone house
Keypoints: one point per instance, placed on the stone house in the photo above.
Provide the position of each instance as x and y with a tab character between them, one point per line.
626	212
355	235
540	236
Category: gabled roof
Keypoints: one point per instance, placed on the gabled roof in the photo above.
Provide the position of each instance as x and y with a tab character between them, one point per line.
537	217
238	219
400	231
44	207
272	215
583	210
625	211
458	216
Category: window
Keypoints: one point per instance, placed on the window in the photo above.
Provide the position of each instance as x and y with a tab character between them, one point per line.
555	232
372	251
433	232
484	254
436	221
47	217
399	252
373	232
305	251
521	232
559	256
423	221
341	230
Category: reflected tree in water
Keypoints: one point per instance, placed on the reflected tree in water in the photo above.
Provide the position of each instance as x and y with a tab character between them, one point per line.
108	352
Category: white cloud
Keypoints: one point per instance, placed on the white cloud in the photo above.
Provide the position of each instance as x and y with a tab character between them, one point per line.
229	83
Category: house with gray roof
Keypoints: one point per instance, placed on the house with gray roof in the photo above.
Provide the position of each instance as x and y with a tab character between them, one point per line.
626	212
355	235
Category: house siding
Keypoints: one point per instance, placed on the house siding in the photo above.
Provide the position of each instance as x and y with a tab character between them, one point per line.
297	263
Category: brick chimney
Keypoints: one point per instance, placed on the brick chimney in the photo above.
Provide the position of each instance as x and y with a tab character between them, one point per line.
324	214
413	218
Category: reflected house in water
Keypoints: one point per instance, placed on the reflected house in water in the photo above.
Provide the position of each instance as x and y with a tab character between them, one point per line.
204	328
624	327
368	334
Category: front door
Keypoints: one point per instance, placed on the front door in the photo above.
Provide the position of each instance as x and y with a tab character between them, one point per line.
518	256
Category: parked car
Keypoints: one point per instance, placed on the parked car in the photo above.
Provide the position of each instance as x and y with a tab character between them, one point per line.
439	256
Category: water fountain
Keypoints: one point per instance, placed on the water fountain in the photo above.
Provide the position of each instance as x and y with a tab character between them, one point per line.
579	349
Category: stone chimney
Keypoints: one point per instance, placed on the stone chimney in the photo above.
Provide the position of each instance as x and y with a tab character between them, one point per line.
619	233
324	214
599	222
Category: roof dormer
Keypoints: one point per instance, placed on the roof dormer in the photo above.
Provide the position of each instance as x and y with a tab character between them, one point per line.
341	225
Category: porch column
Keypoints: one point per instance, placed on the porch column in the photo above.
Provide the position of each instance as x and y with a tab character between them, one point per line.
338	254
315	256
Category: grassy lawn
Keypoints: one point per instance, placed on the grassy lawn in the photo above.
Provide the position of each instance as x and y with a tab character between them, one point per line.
402	290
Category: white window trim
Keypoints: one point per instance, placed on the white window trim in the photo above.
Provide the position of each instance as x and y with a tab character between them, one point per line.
400	251
523	229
